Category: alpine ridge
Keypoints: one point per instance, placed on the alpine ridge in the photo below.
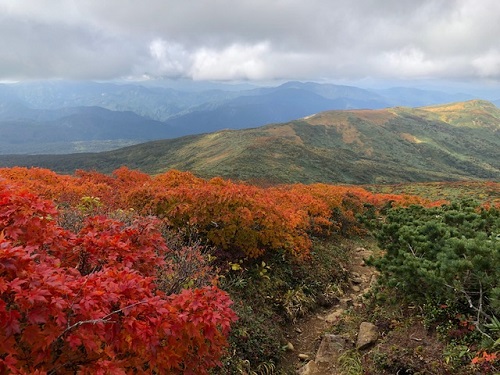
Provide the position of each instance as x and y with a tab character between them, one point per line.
455	141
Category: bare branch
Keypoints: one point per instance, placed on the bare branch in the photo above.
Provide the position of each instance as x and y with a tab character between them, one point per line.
105	319
479	309
412	251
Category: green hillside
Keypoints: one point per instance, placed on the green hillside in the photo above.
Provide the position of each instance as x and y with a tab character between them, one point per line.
448	142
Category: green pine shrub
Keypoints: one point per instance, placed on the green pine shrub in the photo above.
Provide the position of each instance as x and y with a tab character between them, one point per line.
445	256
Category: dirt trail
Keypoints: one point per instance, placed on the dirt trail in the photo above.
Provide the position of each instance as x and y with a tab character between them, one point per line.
306	334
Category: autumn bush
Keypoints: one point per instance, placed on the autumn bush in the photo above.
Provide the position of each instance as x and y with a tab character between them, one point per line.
91	301
117	273
240	220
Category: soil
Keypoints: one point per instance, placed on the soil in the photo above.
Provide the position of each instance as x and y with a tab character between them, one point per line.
306	334
405	346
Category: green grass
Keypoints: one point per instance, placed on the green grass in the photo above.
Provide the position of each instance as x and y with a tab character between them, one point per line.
267	303
478	190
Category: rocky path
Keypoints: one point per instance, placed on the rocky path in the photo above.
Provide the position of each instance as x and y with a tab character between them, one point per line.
315	352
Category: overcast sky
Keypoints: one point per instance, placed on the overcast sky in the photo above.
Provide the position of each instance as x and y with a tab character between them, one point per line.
333	40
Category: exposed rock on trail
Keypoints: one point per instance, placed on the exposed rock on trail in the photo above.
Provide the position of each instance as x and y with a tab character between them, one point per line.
316	352
367	335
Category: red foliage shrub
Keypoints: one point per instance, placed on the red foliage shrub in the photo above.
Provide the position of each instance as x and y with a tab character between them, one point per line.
90	303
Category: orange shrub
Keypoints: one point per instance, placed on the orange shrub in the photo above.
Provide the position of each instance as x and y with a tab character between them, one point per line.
243	220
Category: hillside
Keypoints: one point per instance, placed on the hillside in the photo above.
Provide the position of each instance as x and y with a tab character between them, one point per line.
58	117
448	142
285	103
66	130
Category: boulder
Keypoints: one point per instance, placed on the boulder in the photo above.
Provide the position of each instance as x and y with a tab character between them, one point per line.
367	335
330	348
308	369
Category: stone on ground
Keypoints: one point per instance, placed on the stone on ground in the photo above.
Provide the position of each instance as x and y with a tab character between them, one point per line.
367	335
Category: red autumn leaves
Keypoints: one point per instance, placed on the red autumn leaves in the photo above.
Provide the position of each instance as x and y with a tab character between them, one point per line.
89	301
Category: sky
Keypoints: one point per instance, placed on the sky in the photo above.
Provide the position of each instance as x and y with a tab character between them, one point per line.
456	41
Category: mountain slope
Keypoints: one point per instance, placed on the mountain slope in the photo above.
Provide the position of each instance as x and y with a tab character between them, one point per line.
449	142
50	117
27	130
158	103
280	105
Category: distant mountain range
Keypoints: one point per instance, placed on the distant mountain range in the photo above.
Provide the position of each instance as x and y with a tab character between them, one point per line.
444	142
66	117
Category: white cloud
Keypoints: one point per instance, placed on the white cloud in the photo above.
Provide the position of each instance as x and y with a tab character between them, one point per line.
409	62
235	62
168	58
250	39
488	64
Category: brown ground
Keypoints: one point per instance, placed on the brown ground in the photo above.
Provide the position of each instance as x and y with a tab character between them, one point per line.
405	346
306	334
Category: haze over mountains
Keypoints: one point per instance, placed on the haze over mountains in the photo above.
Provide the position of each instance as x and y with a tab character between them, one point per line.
434	143
66	117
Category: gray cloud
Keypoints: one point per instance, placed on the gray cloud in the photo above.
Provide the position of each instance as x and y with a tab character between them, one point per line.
250	39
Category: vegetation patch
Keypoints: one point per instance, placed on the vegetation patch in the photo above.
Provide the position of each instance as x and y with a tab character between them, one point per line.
444	262
221	270
399	145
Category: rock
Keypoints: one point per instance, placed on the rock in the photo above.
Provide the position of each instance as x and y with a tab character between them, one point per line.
330	348
303	357
356	288
332	317
289	347
309	369
298	330
367	335
357	280
356	274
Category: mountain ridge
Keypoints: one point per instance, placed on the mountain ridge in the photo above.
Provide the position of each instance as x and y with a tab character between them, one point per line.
350	146
32	104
